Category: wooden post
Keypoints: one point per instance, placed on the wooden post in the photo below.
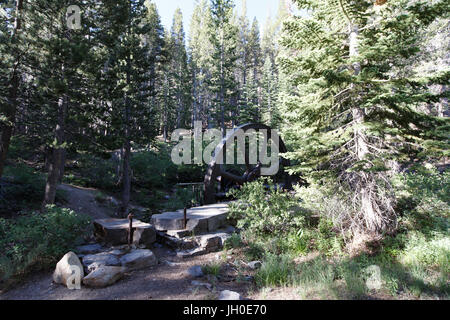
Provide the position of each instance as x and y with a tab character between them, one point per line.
130	230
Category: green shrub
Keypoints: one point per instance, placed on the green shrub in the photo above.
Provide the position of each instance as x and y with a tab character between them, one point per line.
153	170
23	188
38	240
255	251
262	211
430	253
275	271
234	242
181	199
423	199
21	147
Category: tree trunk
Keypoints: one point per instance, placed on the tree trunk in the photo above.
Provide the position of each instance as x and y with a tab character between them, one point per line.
57	157
222	85
372	220
62	166
11	108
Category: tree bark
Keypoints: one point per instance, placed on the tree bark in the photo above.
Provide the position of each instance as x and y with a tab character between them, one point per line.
370	215
57	157
11	108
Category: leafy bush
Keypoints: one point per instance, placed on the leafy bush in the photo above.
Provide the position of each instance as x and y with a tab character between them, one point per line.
38	240
21	147
262	208
153	170
95	172
235	241
22	188
429	253
182	198
424	199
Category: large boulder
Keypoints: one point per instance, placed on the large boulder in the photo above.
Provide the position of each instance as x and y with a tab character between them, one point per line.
69	271
139	259
103	276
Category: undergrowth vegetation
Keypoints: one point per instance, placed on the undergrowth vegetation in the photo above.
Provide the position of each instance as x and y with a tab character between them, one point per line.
37	240
22	188
300	239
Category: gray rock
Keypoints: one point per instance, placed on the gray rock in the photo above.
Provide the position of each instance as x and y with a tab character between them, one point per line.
254	265
197	226
171	264
201	284
230	229
103	276
191	253
117	252
89	249
102	259
69	271
210	243
139	259
195	271
229	295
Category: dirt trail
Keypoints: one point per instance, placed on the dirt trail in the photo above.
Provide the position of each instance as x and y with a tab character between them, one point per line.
161	282
82	200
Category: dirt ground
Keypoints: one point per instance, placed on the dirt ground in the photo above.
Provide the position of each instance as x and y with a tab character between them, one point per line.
161	282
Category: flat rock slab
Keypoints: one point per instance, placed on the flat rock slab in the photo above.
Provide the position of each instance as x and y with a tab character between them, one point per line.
101	259
89	249
138	259
103	276
115	232
202	219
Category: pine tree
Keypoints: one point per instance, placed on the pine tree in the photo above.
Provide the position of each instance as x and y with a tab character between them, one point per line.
125	80
53	76
12	51
223	36
354	110
200	52
179	68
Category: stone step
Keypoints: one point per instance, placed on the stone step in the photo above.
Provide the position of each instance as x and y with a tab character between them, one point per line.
115	232
199	219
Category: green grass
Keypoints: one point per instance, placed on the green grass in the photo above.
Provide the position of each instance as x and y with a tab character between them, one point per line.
275	271
212	269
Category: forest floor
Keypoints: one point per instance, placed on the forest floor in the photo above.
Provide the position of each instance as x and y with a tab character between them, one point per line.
169	279
166	281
